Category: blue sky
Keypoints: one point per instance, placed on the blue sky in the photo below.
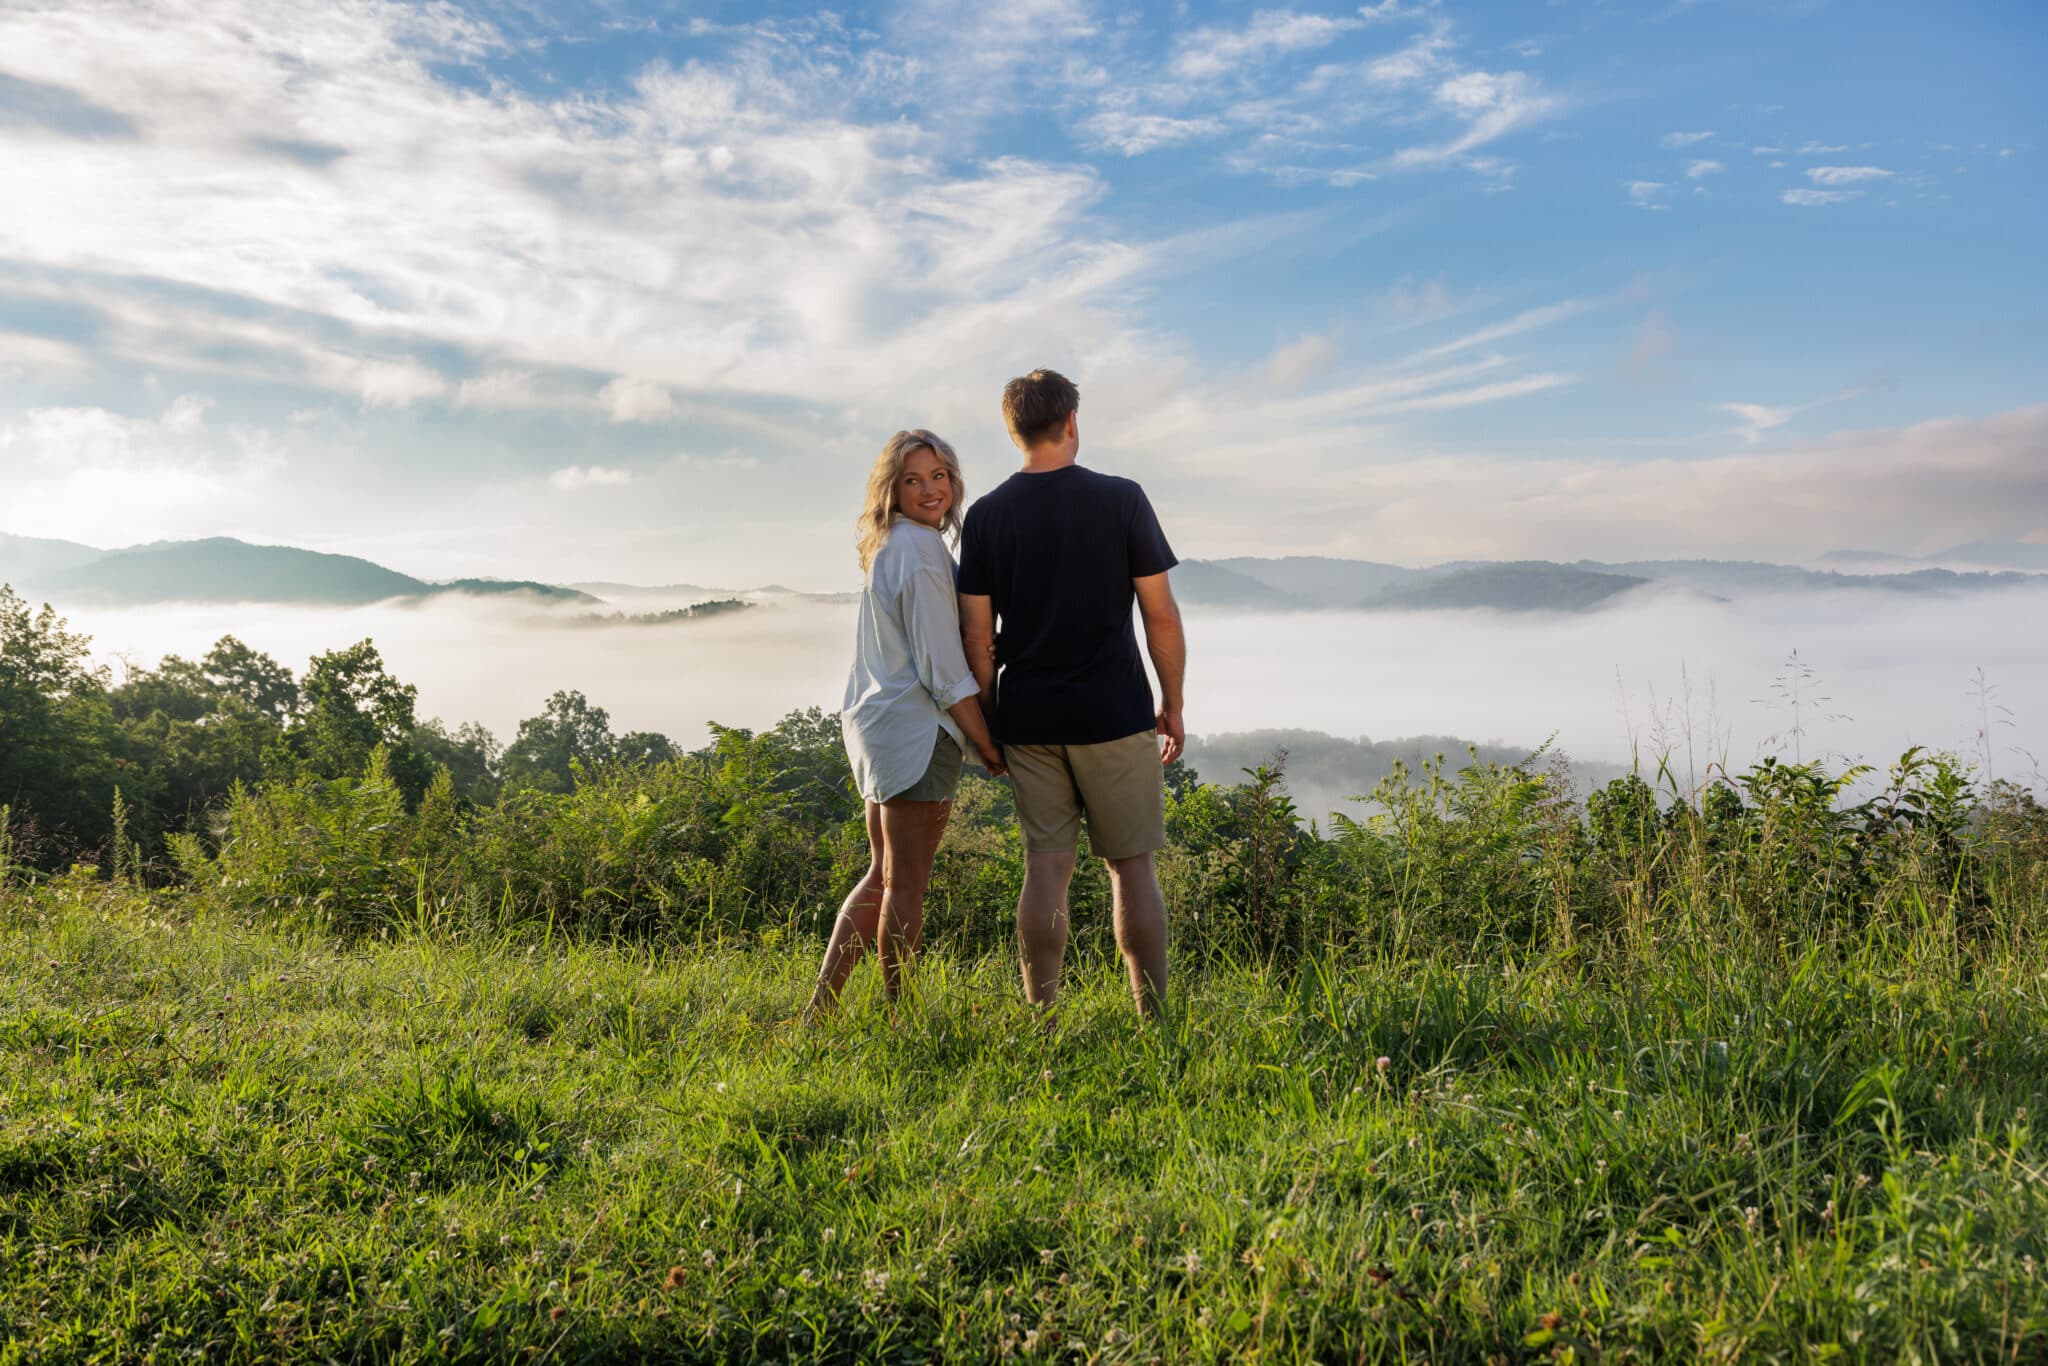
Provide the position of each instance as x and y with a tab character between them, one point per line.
636	291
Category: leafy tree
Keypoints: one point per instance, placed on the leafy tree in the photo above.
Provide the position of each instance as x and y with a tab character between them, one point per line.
351	705
644	747
256	678
568	734
470	754
180	742
54	766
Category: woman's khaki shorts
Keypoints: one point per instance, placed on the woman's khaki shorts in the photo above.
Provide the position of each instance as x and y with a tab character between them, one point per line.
941	776
1119	785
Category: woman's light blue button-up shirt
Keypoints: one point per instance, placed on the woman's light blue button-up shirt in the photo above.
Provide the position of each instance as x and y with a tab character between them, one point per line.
908	663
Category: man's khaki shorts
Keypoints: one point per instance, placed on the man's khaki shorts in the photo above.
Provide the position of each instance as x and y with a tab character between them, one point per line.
1118	784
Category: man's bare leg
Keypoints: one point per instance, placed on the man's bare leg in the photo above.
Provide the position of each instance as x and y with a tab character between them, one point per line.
1042	923
1141	930
855	929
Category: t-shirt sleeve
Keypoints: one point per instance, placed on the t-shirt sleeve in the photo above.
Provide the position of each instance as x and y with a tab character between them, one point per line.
1148	551
975	572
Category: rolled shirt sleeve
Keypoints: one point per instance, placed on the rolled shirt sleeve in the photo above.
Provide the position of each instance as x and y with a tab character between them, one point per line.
931	619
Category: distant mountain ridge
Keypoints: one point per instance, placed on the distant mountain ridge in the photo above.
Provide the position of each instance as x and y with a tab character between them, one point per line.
222	569
1303	583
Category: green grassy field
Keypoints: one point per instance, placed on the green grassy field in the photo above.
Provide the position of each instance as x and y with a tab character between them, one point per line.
223	1143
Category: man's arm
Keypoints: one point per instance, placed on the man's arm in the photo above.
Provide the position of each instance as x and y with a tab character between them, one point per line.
1168	646
978	638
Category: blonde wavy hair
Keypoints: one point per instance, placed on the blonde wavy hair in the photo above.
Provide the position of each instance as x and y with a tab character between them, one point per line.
879	511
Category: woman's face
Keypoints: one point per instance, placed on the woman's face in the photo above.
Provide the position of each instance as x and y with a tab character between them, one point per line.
924	491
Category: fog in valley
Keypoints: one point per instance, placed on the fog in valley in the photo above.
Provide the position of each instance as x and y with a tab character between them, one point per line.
1658	671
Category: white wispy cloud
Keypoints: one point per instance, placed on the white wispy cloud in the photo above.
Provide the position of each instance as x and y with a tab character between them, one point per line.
186	414
1134	134
1210	52
1757	419
1685	139
1526	321
637	400
572	477
1295	363
1417	60
1695	170
1646	194
1845	175
1490	105
1814	199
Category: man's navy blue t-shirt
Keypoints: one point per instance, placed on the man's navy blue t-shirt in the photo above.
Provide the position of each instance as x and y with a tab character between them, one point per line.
1056	553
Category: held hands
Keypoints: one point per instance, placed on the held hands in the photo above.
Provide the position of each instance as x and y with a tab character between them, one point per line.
1173	736
992	760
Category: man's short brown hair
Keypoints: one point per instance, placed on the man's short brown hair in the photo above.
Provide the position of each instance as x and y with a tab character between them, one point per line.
1037	405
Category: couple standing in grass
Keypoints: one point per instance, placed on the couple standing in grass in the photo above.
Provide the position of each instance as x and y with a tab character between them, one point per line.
1057	698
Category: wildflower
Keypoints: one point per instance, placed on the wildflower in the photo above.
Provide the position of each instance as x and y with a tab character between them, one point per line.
1752	1217
1383	1064
710	1258
828	1235
720	1088
1045	1256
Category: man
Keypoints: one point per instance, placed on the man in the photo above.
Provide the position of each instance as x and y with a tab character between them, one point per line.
1056	554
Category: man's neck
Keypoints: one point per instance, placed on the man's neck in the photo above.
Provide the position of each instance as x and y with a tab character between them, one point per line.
1046	459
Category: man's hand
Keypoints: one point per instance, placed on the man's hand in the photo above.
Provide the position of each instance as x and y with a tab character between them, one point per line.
992	760
1173	736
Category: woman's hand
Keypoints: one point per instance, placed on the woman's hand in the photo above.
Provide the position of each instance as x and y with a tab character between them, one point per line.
992	760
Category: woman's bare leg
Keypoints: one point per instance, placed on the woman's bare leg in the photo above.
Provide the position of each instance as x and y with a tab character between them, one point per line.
855	929
910	840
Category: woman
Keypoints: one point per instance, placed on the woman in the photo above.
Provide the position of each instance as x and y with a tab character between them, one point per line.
912	704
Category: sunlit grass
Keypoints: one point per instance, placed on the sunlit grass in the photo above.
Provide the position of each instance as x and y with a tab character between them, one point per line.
220	1143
